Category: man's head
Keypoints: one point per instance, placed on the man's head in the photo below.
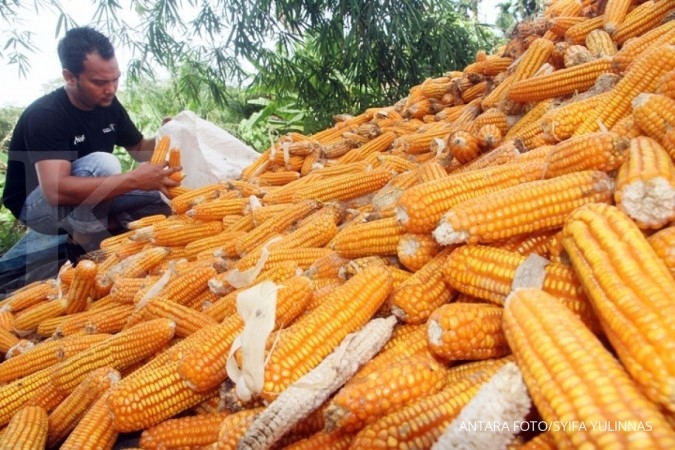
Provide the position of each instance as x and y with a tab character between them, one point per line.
89	67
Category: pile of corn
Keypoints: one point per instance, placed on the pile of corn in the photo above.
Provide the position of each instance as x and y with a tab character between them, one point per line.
519	213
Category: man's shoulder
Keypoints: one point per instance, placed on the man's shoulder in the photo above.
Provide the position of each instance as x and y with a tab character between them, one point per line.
47	104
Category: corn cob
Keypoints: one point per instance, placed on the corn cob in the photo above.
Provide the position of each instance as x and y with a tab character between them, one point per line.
203	367
467	331
234	426
420	424
416	297
80	289
421	207
629	51
618	283
28	296
65	417
653	114
134	266
663	243
161	150
7	340
179	234
46	354
363	401
217	209
377	237
95	430
576	34
544	335
305	397
333	440
645	184
642	76
469	222
560	83
615	12
312	337
45	397
28	320
188	431
489	66
155	392
187	319
26	431
559	123
414	250
183	202
641	19
119	352
174	163
559	25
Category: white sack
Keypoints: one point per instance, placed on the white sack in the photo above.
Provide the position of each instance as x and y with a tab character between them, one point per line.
208	153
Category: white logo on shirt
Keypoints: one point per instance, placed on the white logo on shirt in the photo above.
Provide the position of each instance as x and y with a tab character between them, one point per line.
78	139
109	129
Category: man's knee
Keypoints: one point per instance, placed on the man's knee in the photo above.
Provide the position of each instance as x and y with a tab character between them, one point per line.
97	164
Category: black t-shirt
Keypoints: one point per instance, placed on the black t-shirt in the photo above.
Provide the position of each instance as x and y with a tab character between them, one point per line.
52	128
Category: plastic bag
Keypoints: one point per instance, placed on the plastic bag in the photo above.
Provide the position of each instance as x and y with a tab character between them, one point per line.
208	153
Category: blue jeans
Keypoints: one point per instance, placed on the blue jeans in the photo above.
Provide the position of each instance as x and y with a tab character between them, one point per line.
42	217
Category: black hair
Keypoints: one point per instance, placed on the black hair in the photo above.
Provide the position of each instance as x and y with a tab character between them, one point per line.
78	43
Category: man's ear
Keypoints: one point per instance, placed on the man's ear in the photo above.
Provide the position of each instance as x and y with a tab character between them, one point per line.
68	76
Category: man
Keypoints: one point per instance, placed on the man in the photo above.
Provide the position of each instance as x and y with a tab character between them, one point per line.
62	176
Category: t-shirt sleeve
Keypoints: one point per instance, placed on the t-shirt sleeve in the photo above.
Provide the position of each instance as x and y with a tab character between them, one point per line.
127	133
46	137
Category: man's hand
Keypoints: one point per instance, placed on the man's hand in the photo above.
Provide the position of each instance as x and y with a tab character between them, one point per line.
150	177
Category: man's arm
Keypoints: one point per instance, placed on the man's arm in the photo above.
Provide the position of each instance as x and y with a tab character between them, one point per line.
61	188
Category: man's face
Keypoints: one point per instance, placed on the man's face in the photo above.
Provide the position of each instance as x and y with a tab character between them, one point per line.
97	84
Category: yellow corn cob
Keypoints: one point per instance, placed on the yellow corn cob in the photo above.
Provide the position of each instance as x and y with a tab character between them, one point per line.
95	321
641	19
414	250
559	123
575	55
600	44
28	320
467	331
203	367
375	145
615	12
45	397
645	184
65	417
641	76
489	66
187	319
546	337
183	202
161	150
15	394
80	289
28	296
420	142
134	266
314	335
666	84
561	82
7	340
420	424
155	392
653	114
622	275
377	237
533	206
576	34
26	431
124	289
119	352
416	298
95	430
280	177
184	287
217	209
662	34
276	224
420	208
663	243
183	233
503	154
46	354
604	151
363	401
489	136
463	146
188	431
559	25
